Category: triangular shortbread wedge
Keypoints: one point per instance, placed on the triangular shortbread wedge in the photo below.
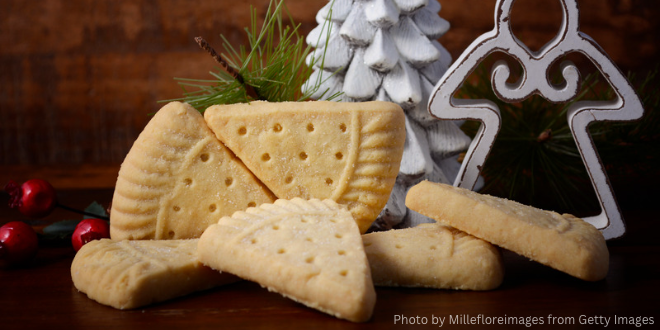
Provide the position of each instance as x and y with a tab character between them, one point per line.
432	255
178	179
309	251
347	152
563	242
134	273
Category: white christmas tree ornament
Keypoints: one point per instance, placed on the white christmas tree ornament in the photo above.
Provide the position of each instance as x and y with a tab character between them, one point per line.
534	80
387	50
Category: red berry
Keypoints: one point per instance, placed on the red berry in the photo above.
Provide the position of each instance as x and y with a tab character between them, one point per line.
18	243
89	230
35	198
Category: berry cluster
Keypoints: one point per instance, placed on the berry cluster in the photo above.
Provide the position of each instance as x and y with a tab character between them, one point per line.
35	199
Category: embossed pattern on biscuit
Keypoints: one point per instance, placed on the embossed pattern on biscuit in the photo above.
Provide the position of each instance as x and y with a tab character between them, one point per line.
563	242
433	256
178	179
308	250
129	274
347	152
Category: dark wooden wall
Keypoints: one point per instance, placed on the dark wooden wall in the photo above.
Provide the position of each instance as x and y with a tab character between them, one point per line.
78	78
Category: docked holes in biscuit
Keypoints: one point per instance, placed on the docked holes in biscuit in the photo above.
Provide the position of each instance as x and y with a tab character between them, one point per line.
242	131
338	236
204	157
228	181
310	127
309	260
265	157
252	204
276	227
176	208
433	247
253	241
328	181
187	181
288	179
339	155
398	246
212	208
171	234
303	155
281	251
343	273
342	127
277	128
341	252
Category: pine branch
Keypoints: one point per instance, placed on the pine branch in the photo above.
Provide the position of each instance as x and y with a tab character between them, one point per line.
271	68
235	74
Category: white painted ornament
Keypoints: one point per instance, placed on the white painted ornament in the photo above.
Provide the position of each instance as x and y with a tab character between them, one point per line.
386	50
534	80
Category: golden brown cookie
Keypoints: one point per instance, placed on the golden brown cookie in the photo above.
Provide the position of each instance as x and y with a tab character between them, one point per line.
347	152
432	255
178	179
309	251
563	242
134	273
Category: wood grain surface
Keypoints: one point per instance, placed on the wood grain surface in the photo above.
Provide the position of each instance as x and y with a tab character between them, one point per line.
79	78
42	295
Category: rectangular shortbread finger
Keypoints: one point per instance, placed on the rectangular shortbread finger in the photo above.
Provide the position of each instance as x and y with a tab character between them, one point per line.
563	242
432	255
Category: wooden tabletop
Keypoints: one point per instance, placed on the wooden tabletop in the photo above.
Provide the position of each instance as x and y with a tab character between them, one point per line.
42	295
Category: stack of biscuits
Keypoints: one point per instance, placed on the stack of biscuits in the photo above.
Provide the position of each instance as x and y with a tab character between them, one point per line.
282	194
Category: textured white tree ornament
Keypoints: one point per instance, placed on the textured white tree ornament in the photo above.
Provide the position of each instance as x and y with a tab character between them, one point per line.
534	80
387	50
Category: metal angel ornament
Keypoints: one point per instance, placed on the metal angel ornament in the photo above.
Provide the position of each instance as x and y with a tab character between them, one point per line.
534	80
387	50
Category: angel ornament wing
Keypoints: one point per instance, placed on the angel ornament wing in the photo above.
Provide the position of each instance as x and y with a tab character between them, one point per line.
534	80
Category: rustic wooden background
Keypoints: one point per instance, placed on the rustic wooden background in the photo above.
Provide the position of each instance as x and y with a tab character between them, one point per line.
78	78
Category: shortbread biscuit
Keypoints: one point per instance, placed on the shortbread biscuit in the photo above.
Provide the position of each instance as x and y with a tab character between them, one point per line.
309	251
134	273
347	152
563	242
432	255
178	179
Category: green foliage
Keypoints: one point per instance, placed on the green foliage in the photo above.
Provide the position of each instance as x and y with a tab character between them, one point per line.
59	233
273	64
61	229
535	160
95	210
